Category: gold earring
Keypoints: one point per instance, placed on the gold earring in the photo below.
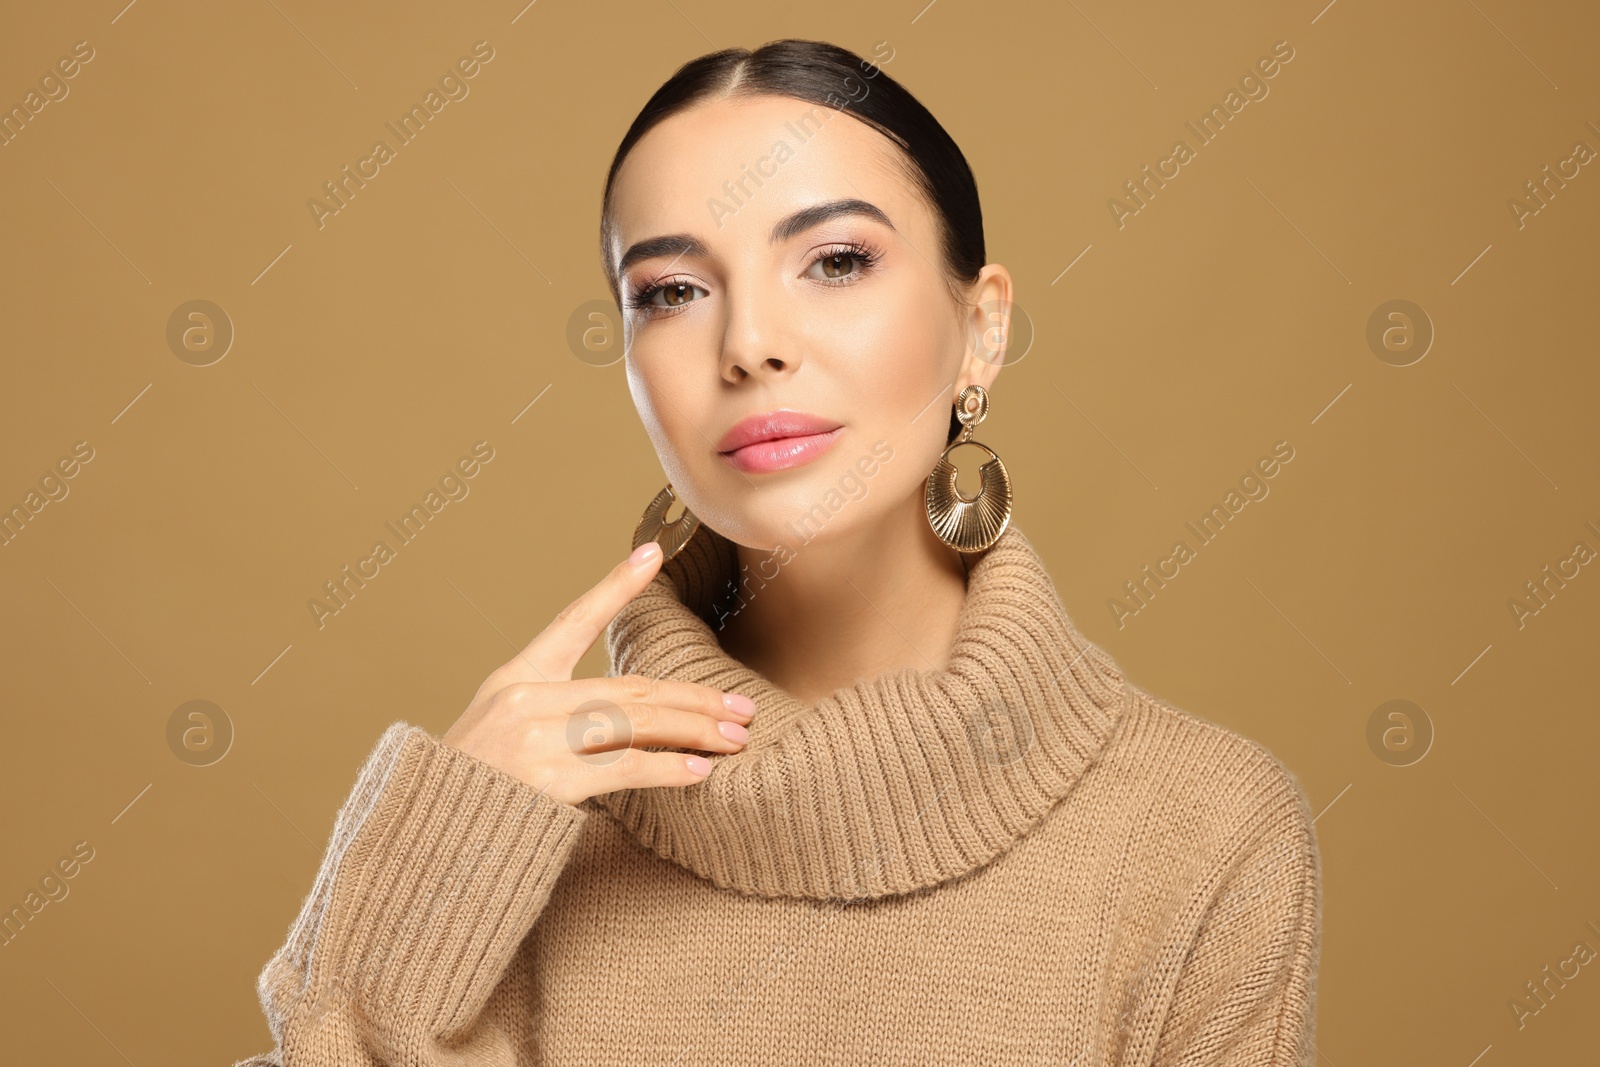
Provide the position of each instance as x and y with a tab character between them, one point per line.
672	536
969	524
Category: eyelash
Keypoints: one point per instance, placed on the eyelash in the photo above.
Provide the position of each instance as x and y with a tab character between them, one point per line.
867	259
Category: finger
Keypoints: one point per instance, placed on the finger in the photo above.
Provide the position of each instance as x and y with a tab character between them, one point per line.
610	727
554	653
668	692
633	768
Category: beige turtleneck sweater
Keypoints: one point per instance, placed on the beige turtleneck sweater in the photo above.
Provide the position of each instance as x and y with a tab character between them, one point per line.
1019	859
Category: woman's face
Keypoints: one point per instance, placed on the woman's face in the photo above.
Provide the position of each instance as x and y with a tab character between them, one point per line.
749	309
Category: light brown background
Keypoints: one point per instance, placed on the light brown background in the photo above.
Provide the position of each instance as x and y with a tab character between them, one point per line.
1229	314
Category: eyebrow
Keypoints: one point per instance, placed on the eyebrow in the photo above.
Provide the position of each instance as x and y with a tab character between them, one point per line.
683	244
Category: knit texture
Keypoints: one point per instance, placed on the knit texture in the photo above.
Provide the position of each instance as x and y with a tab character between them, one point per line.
1018	858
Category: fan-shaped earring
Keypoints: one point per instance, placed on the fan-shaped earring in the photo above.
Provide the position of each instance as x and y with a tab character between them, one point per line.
969	524
671	536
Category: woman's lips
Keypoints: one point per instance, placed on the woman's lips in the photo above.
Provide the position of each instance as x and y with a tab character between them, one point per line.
782	452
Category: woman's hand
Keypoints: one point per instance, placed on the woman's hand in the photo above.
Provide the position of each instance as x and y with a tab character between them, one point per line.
576	739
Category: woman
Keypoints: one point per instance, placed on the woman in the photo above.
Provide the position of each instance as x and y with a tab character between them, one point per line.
855	789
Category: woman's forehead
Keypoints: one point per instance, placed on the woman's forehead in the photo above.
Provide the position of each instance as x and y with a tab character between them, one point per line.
729	167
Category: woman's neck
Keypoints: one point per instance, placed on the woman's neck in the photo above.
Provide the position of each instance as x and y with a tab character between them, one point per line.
822	615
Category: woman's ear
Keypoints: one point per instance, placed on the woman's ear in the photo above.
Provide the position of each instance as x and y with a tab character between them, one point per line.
988	328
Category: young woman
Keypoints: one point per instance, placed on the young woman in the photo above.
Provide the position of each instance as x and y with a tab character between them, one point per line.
855	789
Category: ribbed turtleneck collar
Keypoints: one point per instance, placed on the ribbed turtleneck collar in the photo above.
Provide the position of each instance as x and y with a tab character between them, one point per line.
895	783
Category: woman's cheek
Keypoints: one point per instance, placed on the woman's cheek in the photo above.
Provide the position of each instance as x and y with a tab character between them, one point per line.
651	407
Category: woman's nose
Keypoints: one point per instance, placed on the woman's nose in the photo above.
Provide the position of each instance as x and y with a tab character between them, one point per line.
755	340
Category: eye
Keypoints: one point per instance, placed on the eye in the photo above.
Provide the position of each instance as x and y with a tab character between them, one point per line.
843	263
675	294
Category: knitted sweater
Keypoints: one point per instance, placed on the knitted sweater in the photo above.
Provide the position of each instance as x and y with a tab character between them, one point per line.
1021	858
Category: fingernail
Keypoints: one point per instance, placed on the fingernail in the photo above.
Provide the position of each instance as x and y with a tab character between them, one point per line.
739	704
645	553
733	732
698	764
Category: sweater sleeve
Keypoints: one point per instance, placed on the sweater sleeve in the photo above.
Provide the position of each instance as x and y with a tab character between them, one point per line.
438	866
1246	994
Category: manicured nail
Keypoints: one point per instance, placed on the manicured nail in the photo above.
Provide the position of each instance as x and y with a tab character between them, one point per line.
733	732
645	553
739	704
698	764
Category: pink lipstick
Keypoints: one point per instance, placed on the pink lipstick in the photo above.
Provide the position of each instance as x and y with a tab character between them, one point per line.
778	440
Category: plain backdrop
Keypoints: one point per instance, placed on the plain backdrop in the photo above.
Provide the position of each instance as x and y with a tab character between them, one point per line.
1247	302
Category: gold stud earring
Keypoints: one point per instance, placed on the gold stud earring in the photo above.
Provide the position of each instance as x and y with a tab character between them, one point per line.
671	536
969	524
